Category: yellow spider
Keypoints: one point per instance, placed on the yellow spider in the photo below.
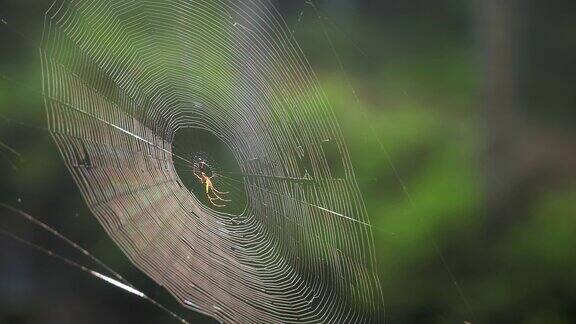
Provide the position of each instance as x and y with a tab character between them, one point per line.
207	181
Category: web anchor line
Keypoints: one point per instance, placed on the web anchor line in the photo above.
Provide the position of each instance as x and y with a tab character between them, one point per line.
120	282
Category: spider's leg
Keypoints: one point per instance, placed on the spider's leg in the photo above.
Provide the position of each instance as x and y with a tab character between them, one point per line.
215	194
217	205
220	192
211	199
216	190
195	174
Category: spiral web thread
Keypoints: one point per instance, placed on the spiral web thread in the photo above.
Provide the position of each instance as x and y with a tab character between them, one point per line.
122	77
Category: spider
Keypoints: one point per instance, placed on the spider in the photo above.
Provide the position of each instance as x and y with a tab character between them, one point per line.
207	181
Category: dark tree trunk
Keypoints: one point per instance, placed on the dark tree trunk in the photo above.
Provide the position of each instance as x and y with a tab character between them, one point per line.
500	48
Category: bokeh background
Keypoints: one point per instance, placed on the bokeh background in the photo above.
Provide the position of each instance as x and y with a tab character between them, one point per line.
460	120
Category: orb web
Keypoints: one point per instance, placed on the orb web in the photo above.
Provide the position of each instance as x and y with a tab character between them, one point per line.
122	78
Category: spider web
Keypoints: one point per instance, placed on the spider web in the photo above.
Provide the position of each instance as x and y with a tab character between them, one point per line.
121	78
